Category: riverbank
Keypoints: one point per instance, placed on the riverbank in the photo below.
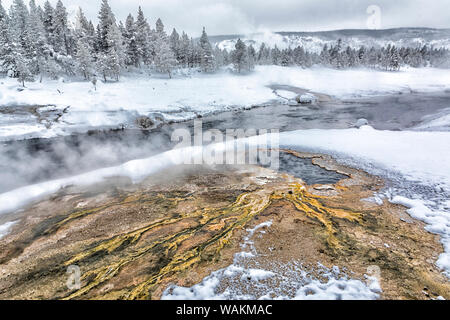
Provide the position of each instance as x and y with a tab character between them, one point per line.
64	107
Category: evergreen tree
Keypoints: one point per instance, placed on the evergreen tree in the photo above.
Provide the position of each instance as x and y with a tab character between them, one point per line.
106	21
394	59
285	58
48	22
299	56
160	28
362	56
22	71
184	50
142	38
336	56
251	58
98	39
103	66
165	60
155	37
84	59
82	26
175	44
275	55
61	35
325	56
3	15
226	57
7	61
207	62
239	56
19	24
264	54
116	52
133	54
37	41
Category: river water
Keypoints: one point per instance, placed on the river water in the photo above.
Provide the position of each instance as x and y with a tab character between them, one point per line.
31	161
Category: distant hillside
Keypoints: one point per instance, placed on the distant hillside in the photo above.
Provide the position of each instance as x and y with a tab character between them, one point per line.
314	41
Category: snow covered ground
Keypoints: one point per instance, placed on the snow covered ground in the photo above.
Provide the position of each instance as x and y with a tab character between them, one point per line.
186	96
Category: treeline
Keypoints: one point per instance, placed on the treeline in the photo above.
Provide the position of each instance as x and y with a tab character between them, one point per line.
39	41
385	58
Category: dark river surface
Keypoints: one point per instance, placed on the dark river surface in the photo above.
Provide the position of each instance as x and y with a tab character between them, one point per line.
31	161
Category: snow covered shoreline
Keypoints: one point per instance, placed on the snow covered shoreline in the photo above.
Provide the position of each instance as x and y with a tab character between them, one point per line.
191	94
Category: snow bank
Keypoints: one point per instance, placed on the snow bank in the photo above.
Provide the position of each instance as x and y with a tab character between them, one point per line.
204	92
142	94
114	104
358	82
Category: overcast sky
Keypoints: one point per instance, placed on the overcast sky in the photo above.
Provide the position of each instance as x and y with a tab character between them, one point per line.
246	16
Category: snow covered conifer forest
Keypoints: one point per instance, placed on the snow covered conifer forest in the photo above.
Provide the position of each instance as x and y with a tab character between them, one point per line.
38	42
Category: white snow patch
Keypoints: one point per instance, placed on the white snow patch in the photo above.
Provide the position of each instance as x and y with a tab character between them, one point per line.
306	98
257	274
22	129
4	228
377	199
338	289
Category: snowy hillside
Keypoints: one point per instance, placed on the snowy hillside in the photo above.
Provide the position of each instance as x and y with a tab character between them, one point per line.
314	41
